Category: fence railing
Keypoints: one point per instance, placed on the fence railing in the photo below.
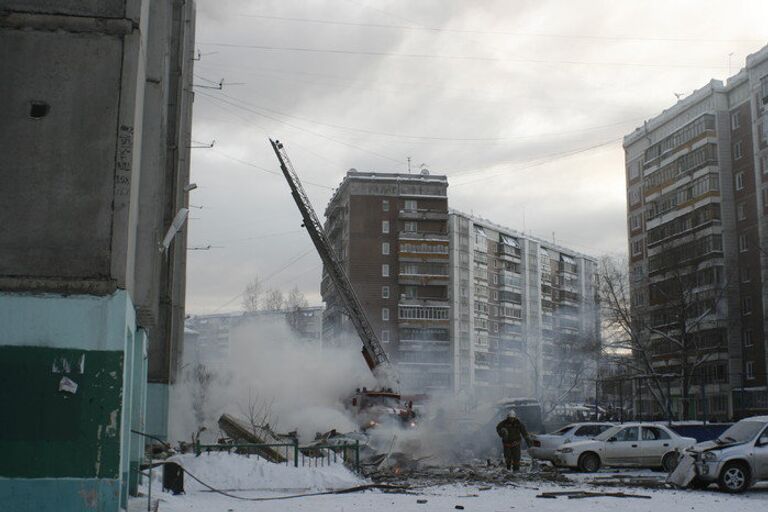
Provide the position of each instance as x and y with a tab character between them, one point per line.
317	455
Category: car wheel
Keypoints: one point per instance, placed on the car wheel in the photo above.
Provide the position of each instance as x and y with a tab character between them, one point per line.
734	478
669	462
589	462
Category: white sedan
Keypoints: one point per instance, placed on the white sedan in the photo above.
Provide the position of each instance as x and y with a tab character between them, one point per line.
544	445
647	445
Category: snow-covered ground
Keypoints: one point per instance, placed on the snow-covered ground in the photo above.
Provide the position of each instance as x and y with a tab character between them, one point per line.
253	478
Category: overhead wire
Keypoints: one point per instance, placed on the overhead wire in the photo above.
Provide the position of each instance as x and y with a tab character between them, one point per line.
500	32
555	157
425	137
371	53
264	280
320	135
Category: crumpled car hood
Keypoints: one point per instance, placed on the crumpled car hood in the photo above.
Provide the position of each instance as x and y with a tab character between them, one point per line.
708	446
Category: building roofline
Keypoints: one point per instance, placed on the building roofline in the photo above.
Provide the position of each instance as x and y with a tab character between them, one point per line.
519	234
354	175
712	87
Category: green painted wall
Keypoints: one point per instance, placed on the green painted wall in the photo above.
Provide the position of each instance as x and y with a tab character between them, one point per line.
51	433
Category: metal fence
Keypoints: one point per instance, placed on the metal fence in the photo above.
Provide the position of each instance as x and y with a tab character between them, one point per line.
316	455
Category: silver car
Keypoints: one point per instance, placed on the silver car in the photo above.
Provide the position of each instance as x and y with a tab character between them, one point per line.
544	445
735	460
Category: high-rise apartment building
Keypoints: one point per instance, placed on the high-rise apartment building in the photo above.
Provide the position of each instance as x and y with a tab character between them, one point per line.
524	321
391	233
461	305
697	216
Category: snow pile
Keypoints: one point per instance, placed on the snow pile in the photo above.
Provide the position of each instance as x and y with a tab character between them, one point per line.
227	471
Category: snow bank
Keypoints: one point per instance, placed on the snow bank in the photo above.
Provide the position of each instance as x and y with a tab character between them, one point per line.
227	471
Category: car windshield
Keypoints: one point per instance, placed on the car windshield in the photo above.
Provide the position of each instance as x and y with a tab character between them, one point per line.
562	431
609	433
741	432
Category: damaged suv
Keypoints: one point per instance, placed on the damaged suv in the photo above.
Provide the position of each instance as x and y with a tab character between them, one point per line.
735	460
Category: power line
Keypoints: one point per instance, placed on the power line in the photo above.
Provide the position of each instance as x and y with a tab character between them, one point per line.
270	276
262	169
501	32
425	137
371	53
316	134
247	120
542	162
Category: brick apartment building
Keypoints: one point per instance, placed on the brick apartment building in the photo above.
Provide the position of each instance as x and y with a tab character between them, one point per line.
697	193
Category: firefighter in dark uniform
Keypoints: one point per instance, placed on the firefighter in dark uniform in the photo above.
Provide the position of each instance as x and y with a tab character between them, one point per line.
512	431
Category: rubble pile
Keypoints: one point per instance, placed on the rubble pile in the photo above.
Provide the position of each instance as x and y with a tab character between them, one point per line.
477	473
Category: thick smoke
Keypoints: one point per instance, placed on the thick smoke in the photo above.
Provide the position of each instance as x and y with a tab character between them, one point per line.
298	384
303	386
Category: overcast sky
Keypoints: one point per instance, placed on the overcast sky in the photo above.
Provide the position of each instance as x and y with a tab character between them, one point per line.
521	103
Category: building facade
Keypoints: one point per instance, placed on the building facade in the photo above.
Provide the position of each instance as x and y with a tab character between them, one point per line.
524	321
461	305
94	141
697	195
391	233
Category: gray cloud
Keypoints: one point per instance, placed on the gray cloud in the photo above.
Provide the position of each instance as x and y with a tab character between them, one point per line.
343	105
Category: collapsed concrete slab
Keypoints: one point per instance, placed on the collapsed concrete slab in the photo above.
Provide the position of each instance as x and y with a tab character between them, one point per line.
241	432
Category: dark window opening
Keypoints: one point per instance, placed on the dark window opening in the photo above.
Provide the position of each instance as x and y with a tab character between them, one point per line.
38	109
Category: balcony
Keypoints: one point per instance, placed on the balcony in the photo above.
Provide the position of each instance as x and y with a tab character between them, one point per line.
422	310
422	214
424	250
416	235
509	253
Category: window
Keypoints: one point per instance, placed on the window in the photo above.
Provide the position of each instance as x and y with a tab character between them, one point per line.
739	180
745	275
735	120
741	213
746	305
385	248
637	247
385	205
743	243
385	270
590	430
385	335
764	89
750	370
385	314
410	205
385	292
654	434
411	226
737	151
764	164
634	196
385	226
746	337
634	222
627	434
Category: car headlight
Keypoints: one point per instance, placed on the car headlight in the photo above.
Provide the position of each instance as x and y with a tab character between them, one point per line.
565	450
709	456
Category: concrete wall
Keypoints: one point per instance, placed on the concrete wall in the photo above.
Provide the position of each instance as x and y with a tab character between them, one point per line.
94	152
73	440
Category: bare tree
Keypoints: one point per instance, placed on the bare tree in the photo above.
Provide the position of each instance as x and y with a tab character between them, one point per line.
201	378
673	323
274	300
257	412
252	296
623	331
294	306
